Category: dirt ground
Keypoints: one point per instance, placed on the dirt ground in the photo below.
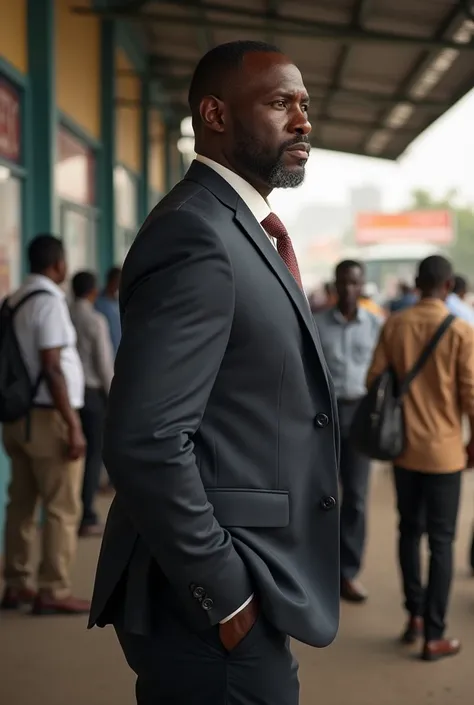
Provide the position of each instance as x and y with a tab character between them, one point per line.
55	661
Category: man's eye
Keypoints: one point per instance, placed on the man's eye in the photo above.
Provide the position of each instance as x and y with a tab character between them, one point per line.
305	108
280	104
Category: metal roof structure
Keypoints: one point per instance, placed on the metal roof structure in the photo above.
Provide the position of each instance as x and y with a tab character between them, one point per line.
379	72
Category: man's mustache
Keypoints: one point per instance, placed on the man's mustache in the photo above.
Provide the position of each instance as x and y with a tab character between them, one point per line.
301	139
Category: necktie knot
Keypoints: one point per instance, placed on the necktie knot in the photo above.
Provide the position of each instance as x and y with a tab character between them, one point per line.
275	228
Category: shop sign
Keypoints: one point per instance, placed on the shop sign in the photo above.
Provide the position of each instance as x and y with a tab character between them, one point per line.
10	127
430	227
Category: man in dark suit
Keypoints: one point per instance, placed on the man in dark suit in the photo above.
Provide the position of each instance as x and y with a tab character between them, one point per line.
222	433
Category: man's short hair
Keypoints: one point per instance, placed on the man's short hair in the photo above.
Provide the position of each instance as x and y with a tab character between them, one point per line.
349	264
44	251
113	274
83	284
215	66
460	285
434	272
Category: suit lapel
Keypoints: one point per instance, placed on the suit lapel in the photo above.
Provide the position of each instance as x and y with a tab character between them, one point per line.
254	231
207	177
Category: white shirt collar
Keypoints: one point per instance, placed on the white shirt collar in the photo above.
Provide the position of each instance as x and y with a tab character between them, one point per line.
45	283
257	205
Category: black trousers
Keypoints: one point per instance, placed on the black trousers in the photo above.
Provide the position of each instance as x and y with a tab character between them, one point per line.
177	666
427	503
92	419
354	477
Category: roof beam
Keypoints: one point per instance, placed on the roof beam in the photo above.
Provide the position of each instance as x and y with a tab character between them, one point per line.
359	15
284	26
368	97
421	64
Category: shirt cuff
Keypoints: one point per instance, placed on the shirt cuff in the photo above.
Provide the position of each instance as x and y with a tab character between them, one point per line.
242	607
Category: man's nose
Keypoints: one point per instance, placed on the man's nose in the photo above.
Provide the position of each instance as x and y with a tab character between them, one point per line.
301	124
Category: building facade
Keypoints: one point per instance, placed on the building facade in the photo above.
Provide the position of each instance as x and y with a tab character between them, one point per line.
84	151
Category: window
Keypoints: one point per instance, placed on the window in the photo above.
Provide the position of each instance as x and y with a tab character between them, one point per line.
10	232
75	186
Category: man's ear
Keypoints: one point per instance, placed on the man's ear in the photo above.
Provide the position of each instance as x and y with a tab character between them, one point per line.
212	113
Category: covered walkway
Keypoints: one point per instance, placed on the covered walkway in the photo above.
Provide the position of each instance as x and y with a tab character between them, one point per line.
56	661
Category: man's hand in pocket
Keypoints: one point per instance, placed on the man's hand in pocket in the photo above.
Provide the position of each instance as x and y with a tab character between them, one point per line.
232	632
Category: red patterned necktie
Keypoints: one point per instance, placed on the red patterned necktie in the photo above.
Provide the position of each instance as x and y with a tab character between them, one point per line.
275	228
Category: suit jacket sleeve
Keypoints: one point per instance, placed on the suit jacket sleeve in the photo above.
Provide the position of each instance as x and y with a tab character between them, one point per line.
177	304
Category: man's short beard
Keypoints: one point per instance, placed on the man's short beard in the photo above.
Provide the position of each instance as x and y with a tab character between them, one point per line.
250	154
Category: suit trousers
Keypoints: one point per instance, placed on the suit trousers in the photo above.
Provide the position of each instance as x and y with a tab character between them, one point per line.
177	666
354	476
427	502
92	419
41	471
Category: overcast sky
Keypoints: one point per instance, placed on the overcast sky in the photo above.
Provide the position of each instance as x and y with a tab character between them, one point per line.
440	159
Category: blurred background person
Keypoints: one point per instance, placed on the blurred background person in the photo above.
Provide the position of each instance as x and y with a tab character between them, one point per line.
107	303
47	447
348	335
97	356
407	296
456	302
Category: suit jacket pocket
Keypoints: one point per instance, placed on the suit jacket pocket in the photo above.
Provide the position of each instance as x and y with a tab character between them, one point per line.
250	508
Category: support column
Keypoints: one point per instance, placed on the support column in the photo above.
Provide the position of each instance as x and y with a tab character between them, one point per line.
144	196
168	135
106	163
42	77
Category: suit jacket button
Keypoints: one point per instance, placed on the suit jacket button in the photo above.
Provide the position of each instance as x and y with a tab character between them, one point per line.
207	604
199	593
322	420
328	503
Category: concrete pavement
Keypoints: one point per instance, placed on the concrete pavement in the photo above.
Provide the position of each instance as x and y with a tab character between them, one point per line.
55	661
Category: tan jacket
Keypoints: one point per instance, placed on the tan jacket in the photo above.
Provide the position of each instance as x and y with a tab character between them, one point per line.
443	390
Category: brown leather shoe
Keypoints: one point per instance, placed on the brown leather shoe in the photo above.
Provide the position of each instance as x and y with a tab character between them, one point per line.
413	631
441	648
91	531
353	591
14	599
47	605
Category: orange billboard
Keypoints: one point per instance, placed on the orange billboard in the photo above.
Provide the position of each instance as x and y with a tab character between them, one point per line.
430	227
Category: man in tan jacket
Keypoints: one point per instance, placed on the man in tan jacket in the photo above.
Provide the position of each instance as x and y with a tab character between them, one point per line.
428	473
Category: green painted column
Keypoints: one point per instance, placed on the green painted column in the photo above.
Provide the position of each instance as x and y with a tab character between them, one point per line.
106	162
143	204
42	107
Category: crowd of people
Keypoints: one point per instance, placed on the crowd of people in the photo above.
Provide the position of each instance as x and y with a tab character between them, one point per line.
360	345
67	341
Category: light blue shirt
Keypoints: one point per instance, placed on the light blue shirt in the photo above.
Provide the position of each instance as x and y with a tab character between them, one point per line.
348	348
110	309
460	309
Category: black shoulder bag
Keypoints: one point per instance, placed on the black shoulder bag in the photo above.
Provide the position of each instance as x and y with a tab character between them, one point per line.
378	428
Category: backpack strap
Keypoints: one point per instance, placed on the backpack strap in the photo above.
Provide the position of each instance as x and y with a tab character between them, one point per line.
27	297
429	349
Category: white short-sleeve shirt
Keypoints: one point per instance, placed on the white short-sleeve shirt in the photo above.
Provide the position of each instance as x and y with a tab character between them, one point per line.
43	323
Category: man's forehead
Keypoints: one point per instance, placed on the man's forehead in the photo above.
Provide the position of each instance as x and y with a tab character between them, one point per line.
271	70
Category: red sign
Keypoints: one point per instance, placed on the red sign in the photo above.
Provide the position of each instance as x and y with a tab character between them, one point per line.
430	227
10	126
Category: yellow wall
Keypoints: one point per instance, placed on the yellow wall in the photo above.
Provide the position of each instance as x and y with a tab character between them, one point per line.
13	36
128	117
157	158
78	65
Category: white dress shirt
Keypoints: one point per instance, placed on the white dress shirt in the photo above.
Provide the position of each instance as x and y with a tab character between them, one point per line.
259	208
44	323
257	205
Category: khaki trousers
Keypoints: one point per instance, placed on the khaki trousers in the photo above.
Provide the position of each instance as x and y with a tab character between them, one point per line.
42	471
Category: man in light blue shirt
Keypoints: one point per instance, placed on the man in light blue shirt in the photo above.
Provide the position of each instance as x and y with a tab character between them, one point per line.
348	335
108	304
455	301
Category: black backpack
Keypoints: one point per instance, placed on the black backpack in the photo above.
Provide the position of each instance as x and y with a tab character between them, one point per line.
17	391
378	428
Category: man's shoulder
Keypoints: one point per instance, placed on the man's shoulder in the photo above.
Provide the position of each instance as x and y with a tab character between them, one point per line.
373	319
324	317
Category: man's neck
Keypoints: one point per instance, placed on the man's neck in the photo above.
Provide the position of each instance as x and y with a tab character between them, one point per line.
260	187
349	314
